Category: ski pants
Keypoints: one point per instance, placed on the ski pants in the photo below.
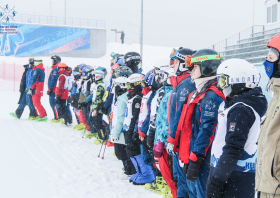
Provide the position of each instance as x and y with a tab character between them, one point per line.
41	112
164	165
81	116
132	145
239	184
53	105
62	108
86	112
120	151
198	188
148	158
96	126
180	177
25	100
68	108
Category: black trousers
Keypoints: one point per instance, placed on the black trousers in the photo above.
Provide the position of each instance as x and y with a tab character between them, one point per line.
63	112
96	126
132	144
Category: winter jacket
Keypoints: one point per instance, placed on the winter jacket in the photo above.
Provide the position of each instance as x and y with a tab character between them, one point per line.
84	90
38	79
62	85
239	119
29	78
198	122
161	122
22	86
268	159
98	94
145	111
53	78
182	86
118	118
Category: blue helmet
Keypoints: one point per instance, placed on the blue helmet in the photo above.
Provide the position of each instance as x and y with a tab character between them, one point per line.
149	78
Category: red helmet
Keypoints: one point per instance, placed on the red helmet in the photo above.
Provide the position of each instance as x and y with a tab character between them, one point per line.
274	42
62	65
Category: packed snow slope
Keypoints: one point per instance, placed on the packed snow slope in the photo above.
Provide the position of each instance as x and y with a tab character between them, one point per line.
53	161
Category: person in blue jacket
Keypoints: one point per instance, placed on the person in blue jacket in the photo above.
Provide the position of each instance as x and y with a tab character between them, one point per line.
233	163
52	86
199	119
182	87
24	99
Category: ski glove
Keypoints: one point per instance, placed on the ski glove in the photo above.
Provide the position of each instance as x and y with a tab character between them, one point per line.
170	148
58	99
150	140
194	169
185	168
158	149
49	93
29	92
214	188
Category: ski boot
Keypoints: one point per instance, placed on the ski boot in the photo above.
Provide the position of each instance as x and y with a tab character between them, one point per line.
81	127
78	125
161	184
14	115
32	118
98	141
154	188
167	193
44	119
55	121
89	135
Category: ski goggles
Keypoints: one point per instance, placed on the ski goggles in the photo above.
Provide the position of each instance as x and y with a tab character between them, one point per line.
112	54
190	61
130	85
225	80
175	54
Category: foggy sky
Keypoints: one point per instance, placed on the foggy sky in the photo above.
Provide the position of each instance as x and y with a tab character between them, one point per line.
172	23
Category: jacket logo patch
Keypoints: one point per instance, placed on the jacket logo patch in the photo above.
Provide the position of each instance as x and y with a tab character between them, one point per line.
232	126
137	105
209	114
210	105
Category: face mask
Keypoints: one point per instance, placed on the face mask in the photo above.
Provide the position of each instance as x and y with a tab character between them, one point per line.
227	91
268	66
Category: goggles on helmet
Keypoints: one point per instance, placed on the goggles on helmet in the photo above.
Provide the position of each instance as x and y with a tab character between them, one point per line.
112	54
175	54
223	81
190	61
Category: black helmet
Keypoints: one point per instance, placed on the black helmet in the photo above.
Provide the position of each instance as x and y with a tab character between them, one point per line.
185	52
56	59
132	59
208	60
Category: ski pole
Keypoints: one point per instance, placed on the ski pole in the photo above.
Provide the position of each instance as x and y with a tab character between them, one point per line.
104	149
100	149
84	132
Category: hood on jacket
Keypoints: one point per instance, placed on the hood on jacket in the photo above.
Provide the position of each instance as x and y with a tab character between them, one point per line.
175	80
39	67
253	98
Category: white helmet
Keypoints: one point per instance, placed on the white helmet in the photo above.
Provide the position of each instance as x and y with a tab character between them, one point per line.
134	81
236	71
121	81
98	75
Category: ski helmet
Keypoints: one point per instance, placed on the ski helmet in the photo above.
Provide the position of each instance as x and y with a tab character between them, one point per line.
180	54
132	59
274	42
121	81
98	75
76	73
37	61
123	71
120	62
237	75
148	79
102	69
118	57
134	82
163	75
86	71
56	59
31	62
208	60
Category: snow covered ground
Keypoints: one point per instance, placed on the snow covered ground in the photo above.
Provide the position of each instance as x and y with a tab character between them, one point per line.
44	160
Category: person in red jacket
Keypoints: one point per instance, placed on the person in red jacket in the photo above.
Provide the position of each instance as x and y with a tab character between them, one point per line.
61	93
37	88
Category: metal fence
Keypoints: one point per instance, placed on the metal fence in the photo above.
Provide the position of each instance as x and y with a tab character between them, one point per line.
238	39
53	20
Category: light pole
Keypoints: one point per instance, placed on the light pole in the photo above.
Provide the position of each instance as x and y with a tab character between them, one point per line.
65	12
141	33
